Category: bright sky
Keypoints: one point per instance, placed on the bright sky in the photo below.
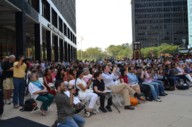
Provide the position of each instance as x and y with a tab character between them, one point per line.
103	22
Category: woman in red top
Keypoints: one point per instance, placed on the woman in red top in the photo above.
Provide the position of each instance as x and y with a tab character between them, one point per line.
123	77
47	80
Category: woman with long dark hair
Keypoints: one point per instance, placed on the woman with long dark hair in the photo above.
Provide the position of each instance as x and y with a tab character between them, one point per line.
60	74
84	91
48	81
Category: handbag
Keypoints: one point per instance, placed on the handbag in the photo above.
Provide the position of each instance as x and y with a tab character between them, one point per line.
78	108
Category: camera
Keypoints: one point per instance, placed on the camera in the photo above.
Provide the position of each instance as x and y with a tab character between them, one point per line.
71	87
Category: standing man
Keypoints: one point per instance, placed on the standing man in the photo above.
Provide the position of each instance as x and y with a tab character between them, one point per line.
8	85
19	72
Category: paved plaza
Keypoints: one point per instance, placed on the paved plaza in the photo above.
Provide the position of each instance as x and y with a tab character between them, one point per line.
174	111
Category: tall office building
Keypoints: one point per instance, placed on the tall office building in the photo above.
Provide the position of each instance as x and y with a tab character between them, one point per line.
189	3
159	21
39	29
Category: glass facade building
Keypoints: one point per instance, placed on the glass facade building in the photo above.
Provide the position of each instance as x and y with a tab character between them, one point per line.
189	3
38	29
159	21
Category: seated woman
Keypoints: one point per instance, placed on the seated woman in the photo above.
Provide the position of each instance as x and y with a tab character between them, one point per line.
39	92
60	74
99	88
155	77
84	92
148	80
71	74
48	81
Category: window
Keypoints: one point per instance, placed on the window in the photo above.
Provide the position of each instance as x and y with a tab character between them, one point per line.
54	18
34	4
46	10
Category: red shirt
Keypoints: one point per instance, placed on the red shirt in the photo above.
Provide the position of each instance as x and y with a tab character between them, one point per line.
125	78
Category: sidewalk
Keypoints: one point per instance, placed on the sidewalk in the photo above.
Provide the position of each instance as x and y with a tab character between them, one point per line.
175	110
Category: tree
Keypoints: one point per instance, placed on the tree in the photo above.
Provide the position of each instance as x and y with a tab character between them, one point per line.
120	51
163	48
90	54
94	53
116	51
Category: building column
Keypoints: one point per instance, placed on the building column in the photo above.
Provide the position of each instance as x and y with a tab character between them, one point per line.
72	56
69	53
72	53
37	42
20	25
48	42
66	53
56	48
75	53
61	49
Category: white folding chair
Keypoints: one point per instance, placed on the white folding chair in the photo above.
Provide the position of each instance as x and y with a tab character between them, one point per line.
117	98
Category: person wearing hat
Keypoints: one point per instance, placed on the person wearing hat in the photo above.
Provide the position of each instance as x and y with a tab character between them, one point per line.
8	82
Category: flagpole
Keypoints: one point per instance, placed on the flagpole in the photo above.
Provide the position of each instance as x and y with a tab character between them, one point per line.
81	47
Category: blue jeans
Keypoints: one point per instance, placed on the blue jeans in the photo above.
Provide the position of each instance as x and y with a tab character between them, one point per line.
19	91
161	87
154	89
74	121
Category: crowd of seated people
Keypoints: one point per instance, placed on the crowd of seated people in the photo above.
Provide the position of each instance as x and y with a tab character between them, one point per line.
140	77
145	79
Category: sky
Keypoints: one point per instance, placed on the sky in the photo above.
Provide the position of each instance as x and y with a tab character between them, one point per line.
101	23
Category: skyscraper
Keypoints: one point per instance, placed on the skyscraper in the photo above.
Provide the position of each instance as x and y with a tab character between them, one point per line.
159	21
189	3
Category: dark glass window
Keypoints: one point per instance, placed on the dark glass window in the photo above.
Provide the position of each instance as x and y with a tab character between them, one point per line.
54	18
65	29
34	4
46	10
60	25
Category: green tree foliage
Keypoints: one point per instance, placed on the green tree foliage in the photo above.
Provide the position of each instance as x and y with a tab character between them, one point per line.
116	51
120	51
163	48
90	54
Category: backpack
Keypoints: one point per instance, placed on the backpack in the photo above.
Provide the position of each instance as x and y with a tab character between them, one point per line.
29	105
181	85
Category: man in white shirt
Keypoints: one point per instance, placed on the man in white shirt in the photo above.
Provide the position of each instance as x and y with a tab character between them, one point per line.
125	90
